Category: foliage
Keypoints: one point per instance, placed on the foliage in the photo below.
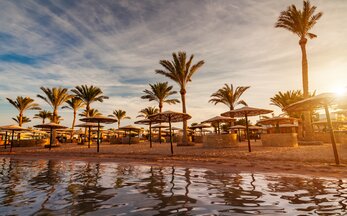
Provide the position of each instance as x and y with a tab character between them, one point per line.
228	96
147	112
43	114
89	94
160	92
24	119
119	115
55	97
22	104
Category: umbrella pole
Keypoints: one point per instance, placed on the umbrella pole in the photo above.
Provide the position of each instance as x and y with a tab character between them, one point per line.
88	137
5	142
332	135
150	134
12	141
247	129
51	139
170	135
98	142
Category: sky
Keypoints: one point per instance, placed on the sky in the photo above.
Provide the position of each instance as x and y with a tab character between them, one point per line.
117	45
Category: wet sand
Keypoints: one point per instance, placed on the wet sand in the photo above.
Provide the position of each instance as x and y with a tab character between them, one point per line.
316	161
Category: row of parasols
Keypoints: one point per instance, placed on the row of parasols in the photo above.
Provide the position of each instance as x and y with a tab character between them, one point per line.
319	101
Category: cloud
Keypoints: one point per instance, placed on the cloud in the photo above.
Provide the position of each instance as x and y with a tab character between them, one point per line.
117	45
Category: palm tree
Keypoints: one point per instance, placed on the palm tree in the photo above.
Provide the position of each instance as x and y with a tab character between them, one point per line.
74	104
181	71
90	113
89	94
160	92
300	23
58	119
228	96
119	115
55	97
22	104
43	115
283	100
24	119
147	112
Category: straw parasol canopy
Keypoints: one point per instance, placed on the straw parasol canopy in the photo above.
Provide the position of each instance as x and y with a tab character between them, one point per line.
218	120
323	100
200	126
12	128
254	127
147	122
99	119
160	126
170	116
245	112
51	126
238	127
130	128
88	125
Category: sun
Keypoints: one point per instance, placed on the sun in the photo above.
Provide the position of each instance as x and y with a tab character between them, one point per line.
340	91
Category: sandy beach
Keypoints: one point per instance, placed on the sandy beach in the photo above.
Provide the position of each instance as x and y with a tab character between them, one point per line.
316	161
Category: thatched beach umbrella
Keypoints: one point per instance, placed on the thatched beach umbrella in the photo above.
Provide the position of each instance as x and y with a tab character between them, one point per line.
200	126
130	128
51	126
88	125
277	121
99	119
170	116
12	128
148	122
218	120
245	112
320	101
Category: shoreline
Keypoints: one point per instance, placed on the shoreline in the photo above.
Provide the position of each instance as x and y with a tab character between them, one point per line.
261	160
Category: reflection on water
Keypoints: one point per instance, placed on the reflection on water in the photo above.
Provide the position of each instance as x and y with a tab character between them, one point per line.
84	188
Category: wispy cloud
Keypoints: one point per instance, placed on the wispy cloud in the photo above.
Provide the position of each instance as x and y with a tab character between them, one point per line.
117	45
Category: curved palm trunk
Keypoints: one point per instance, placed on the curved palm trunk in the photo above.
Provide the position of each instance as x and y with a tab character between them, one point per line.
185	136
307	119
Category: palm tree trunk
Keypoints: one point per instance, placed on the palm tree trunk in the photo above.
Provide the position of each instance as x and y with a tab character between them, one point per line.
183	99
118	124
54	133
160	110
307	119
73	124
20	124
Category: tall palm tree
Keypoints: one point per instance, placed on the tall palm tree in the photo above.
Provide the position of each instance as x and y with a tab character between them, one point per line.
55	97
119	115
43	114
300	22
22	104
147	112
89	94
181	71
228	96
160	92
90	113
24	119
74	104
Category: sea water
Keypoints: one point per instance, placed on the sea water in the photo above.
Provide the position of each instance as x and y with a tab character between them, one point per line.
53	187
